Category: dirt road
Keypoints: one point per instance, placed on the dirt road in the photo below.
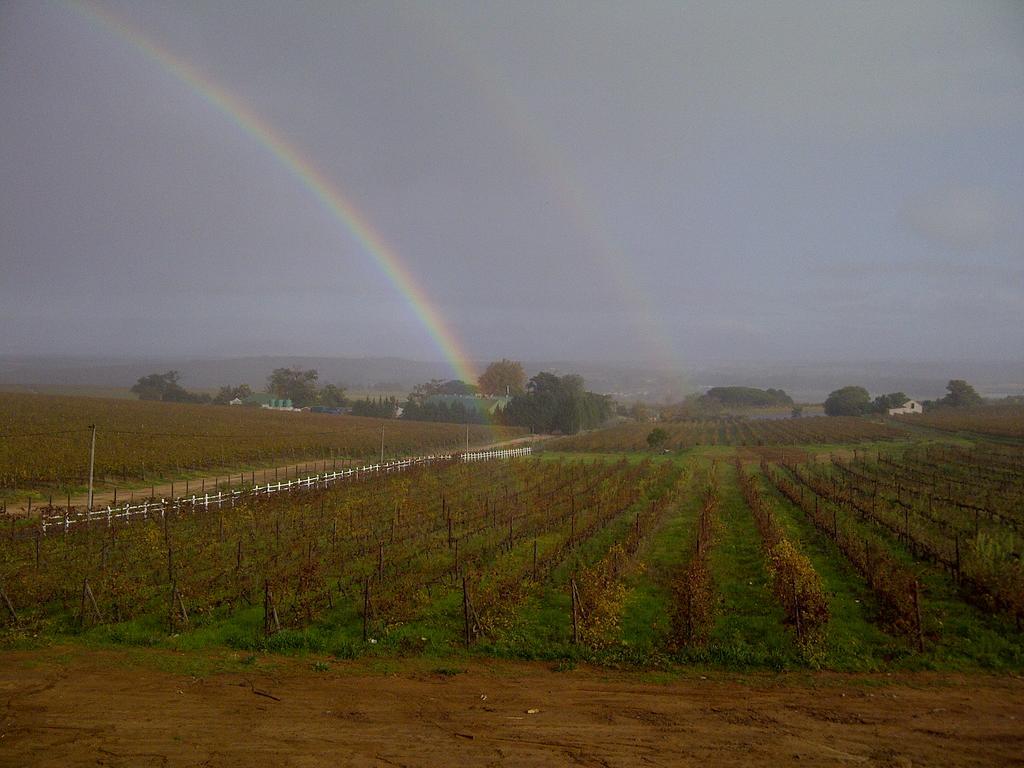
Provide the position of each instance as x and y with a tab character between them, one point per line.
223	481
74	707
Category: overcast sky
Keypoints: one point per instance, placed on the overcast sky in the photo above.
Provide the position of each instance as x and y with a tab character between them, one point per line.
665	182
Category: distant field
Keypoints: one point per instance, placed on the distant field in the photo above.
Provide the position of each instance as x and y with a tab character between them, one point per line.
995	420
116	393
125	393
728	431
44	439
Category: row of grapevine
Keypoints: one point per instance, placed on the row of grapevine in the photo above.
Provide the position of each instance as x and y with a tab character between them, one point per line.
45	440
598	591
733	431
972	542
1006	421
497	592
895	586
381	550
694	594
796	586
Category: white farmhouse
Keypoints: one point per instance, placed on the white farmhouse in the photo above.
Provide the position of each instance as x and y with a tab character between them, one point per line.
911	406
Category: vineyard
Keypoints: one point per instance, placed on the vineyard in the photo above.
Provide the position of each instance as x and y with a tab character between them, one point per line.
991	420
907	557
371	555
960	511
733	431
44	440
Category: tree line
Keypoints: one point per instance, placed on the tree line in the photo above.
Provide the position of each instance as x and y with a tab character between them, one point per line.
545	403
856	401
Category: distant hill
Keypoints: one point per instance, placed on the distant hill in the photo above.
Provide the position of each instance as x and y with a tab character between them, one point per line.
804	382
356	373
748	396
811	382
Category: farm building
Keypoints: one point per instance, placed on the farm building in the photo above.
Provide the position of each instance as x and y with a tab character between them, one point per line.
265	400
911	406
485	405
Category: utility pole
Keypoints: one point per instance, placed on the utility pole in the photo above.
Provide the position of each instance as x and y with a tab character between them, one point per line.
467	437
92	462
381	443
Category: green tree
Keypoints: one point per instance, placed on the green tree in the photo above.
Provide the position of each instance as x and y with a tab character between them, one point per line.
848	401
883	403
165	387
332	396
381	408
639	412
557	404
503	376
294	384
961	395
153	386
227	394
657	437
457	387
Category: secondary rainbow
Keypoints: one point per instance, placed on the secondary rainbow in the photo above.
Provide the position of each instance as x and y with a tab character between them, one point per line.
571	195
326	191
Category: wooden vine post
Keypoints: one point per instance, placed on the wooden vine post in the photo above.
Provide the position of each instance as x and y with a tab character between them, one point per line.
271	623
917	615
574	600
465	610
88	595
796	613
366	606
177	605
8	605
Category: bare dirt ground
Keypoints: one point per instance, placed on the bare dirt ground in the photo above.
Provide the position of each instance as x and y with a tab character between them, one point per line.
76	707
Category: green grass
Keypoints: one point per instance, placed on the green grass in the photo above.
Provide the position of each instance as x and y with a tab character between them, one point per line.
646	616
958	635
852	641
543	625
748	630
749	633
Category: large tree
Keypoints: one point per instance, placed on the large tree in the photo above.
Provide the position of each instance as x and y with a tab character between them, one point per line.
421	392
332	396
381	408
883	403
227	394
848	401
961	394
165	387
557	404
503	377
294	384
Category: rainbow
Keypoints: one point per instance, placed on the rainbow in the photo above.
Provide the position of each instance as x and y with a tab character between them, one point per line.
290	156
568	192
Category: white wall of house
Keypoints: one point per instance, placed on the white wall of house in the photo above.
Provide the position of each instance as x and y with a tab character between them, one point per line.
911	406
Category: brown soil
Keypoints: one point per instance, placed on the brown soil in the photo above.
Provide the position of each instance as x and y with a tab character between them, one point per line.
69	707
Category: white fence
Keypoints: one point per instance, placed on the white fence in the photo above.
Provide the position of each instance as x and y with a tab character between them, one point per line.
52	519
504	453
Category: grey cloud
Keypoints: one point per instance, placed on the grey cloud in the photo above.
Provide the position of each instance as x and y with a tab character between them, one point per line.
964	218
595	179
